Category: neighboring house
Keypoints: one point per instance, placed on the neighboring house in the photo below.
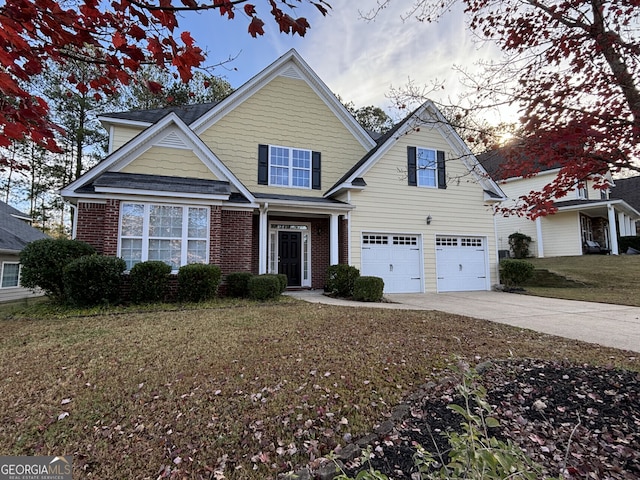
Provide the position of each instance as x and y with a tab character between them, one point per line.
15	232
628	189
584	216
279	177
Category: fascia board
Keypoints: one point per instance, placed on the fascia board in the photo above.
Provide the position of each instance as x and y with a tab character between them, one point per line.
114	191
619	203
343	186
268	74
553	171
293	205
107	120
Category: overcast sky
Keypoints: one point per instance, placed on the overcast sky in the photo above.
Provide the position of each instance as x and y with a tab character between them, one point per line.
358	60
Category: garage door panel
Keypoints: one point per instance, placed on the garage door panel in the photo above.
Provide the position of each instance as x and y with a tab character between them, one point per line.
394	258
461	263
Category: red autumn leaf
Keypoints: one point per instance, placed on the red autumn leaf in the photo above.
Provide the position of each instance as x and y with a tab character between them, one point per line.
118	40
154	87
256	27
250	9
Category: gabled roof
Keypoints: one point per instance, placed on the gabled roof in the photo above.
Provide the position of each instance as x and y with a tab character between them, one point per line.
187	113
627	189
15	230
169	126
290	65
426	113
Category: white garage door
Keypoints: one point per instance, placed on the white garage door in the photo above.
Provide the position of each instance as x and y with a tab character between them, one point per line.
394	258
461	263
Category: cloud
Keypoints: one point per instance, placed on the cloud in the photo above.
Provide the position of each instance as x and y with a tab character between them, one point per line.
358	60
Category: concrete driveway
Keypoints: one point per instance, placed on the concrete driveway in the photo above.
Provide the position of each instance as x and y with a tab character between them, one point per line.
615	326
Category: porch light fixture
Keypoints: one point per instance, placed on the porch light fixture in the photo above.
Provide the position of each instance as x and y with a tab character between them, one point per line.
429	219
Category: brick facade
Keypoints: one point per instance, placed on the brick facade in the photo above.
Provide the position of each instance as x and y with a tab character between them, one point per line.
110	228
90	224
236	241
234	237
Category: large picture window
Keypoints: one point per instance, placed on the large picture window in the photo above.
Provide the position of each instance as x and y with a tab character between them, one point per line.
10	274
289	167
174	234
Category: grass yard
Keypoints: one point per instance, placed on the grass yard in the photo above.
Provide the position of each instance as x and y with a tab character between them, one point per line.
599	278
236	390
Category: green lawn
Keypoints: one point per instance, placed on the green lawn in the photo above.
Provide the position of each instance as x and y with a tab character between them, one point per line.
599	278
244	389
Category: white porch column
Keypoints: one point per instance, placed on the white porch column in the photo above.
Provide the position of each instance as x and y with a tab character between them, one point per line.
613	235
263	240
539	238
634	230
623	224
333	247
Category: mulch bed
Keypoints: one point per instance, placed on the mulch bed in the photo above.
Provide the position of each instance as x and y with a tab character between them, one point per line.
579	421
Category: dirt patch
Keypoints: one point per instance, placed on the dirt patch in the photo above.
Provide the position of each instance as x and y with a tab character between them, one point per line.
579	421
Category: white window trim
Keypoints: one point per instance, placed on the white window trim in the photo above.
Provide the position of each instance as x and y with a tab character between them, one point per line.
290	168
145	230
274	228
2	275
435	167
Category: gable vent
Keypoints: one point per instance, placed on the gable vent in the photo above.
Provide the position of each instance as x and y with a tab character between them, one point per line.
172	141
291	72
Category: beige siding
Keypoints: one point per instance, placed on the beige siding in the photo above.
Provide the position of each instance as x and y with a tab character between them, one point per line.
561	234
288	113
167	161
122	135
388	204
14	293
560	231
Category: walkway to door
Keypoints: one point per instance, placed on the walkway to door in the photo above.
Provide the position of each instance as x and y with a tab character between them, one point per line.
615	326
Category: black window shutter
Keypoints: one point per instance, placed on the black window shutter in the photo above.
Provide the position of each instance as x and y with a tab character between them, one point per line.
442	173
411	167
315	170
263	164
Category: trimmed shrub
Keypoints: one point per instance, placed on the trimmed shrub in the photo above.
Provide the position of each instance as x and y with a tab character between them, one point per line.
149	281
341	279
519	243
625	242
368	289
238	284
198	282
515	272
43	261
264	287
93	280
284	281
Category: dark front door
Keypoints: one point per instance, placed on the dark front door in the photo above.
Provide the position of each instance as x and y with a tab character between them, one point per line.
290	257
